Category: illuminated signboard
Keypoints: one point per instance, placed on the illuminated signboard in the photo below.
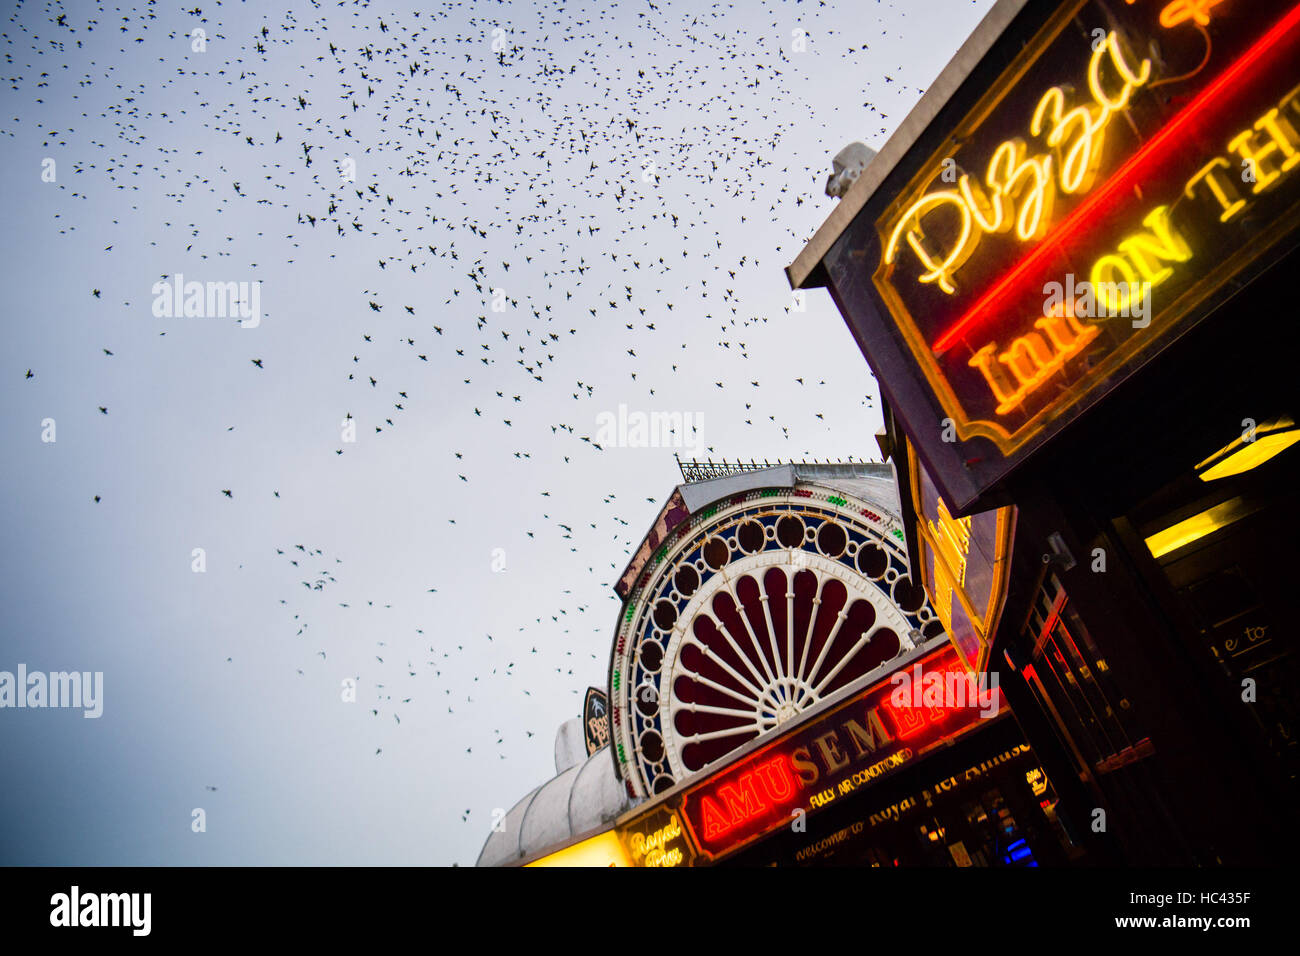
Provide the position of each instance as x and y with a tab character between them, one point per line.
860	741
964	565
1076	216
924	798
656	838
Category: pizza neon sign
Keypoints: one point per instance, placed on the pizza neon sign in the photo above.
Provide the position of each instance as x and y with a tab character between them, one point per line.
1013	177
1151	162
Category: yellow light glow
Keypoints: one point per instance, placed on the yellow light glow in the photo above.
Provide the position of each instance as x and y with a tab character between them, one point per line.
1196	527
1249	454
1220	184
936	269
1181	10
1132	79
1080	162
1018	183
1037	782
1146	250
604	849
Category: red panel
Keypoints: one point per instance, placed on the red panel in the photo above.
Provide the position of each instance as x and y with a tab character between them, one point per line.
859	741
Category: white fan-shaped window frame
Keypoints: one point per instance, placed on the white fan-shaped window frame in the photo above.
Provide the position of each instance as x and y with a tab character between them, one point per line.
639	692
771	698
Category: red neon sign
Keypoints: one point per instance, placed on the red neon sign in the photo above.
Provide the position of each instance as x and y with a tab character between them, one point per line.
911	719
864	738
770	783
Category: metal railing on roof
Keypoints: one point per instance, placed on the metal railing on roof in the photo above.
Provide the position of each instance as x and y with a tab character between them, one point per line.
709	469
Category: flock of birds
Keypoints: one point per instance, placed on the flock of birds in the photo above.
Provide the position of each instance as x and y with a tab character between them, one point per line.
540	187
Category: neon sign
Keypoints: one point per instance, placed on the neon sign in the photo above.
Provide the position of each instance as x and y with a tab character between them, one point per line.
1118	146
964	565
1010	174
1181	10
656	838
816	764
1141	257
651	849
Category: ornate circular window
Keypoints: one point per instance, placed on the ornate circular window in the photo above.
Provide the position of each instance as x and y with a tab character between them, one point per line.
756	609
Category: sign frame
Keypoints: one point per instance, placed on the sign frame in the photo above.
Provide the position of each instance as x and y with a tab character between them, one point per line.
972	470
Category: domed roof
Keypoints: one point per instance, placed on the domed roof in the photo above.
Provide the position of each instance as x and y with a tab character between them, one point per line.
583	799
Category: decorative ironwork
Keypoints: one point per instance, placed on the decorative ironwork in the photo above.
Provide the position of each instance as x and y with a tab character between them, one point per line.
709	469
767	644
755	609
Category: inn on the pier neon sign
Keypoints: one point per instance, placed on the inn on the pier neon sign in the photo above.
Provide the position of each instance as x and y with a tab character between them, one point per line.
1132	159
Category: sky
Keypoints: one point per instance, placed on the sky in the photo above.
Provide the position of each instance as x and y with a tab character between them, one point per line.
474	232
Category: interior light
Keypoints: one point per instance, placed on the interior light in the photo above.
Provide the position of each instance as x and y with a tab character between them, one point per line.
1198	526
603	850
1267	440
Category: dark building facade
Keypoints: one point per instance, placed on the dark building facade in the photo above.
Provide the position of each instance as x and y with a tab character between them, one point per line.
782	692
1071	271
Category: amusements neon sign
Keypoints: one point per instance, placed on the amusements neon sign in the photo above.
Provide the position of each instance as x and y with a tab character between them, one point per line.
868	736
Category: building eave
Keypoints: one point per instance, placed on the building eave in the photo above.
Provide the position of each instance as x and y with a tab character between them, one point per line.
806	271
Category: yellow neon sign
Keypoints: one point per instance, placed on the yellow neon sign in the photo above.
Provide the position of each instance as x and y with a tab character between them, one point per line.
952	536
1031	359
1013	414
1270	147
1032	181
1180	11
948	544
1259	158
651	849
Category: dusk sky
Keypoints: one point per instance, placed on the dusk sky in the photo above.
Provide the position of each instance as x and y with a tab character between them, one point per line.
632	177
